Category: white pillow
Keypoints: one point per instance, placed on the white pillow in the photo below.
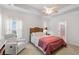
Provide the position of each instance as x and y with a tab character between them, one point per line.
37	33
33	34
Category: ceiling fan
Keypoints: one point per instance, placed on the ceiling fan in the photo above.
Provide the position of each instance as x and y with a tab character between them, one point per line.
50	10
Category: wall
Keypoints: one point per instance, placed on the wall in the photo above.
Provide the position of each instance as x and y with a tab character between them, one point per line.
29	20
72	19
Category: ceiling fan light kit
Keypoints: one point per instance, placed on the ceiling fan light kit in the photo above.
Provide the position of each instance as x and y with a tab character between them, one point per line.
50	10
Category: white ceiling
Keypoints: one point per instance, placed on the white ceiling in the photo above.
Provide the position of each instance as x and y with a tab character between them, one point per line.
40	6
37	8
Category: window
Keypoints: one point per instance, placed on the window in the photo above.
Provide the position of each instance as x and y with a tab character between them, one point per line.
14	26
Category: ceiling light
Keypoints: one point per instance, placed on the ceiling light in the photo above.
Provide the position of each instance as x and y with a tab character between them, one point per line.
50	10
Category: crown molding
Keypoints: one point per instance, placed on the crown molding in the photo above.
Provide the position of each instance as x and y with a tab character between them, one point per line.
18	9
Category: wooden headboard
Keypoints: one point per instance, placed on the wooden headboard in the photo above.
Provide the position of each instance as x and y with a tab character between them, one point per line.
35	29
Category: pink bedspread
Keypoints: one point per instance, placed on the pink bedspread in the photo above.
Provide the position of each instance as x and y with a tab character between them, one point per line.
51	43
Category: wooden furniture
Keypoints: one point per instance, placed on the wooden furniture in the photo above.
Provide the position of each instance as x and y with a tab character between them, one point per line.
2	50
2	47
35	29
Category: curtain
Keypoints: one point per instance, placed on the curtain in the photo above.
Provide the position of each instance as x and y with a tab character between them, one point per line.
19	28
8	26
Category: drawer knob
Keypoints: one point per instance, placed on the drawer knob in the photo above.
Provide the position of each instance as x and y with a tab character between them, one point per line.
10	46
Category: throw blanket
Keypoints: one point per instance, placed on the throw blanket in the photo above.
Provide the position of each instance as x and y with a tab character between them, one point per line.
51	43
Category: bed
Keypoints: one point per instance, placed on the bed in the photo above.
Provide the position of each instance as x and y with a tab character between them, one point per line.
46	43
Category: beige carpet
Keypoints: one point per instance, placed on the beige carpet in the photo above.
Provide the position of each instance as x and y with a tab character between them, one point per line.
32	50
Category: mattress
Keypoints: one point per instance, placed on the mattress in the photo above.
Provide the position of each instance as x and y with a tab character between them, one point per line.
36	36
35	39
